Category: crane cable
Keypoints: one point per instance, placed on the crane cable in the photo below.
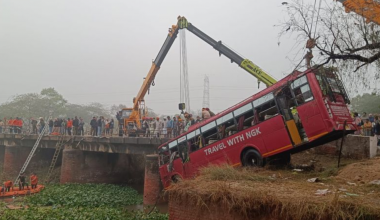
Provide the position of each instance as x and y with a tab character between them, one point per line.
184	81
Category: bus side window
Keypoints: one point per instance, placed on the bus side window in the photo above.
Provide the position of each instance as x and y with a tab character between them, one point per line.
164	155
194	140
183	151
226	126
265	107
209	133
244	116
173	147
302	90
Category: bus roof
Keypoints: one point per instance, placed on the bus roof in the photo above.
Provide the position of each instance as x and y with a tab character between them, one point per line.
275	86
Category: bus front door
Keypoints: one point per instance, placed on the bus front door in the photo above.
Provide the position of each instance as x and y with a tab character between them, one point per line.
286	104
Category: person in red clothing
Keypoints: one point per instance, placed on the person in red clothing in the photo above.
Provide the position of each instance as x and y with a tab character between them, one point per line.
10	125
34	180
69	126
18	125
7	185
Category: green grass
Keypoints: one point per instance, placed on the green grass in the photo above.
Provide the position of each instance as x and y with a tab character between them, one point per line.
86	195
80	202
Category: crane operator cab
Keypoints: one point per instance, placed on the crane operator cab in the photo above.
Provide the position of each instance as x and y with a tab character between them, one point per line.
123	120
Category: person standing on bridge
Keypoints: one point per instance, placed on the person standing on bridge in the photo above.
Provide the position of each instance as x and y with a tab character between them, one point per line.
69	126
94	126
1	126
75	125
175	126
157	127
81	127
10	125
112	125
41	125
51	124
34	126
169	127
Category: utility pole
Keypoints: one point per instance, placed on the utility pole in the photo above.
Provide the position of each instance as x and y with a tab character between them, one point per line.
206	93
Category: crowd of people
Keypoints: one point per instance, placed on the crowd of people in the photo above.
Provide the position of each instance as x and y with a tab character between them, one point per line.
368	125
169	127
58	126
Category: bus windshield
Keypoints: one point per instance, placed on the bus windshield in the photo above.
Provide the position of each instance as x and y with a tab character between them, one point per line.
332	86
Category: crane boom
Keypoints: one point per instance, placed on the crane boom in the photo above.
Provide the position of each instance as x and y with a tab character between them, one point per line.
246	64
182	23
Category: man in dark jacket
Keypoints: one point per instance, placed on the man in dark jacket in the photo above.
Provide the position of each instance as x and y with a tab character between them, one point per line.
51	123
94	126
75	125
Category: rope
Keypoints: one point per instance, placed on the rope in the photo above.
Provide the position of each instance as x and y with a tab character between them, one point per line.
312	18
316	22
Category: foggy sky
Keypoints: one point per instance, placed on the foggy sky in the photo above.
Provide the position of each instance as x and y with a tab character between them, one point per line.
100	51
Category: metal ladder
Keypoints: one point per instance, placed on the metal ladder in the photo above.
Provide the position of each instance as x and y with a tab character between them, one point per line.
23	168
58	148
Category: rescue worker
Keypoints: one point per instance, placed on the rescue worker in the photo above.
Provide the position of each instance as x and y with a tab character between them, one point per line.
22	182
7	185
17	125
10	125
69	126
33	180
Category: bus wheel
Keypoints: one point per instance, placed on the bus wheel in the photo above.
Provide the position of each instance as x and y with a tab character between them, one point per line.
252	158
176	178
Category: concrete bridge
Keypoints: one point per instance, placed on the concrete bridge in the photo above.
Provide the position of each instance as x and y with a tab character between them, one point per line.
83	158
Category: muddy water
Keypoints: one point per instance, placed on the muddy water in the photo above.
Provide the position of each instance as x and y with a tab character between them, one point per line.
162	208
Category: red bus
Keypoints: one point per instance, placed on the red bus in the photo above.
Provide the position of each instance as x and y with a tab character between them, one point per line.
303	110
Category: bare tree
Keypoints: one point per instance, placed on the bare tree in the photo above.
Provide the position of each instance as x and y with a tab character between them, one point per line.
340	39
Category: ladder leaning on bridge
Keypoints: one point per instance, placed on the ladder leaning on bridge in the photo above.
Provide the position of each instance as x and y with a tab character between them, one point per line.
58	148
23	168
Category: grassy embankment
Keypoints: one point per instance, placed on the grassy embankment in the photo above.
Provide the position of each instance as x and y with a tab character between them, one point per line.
282	193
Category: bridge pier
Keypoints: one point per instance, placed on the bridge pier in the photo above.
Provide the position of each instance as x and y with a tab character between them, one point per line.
98	167
14	158
152	186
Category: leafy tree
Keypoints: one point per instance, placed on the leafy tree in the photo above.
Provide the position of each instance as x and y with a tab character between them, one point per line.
38	105
369	103
342	39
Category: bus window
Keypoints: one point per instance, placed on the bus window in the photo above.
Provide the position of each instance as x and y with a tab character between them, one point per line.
164	155
332	86
226	126
173	146
265	107
302	90
183	149
209	133
244	116
194	140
